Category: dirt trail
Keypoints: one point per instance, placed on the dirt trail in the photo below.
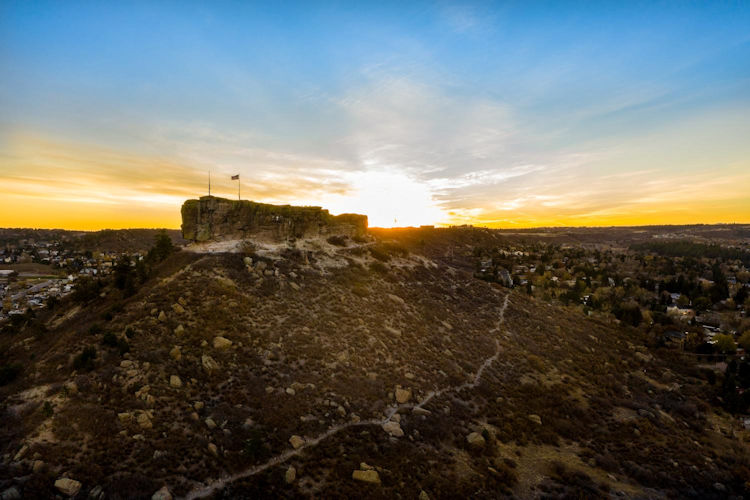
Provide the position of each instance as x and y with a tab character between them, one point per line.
219	484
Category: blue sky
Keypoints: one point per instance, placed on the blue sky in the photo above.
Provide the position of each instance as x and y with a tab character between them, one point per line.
499	113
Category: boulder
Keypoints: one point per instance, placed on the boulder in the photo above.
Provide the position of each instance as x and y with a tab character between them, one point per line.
178	309
536	419
175	353
296	441
209	364
290	475
393	428
162	494
162	317
222	343
144	420
403	395
213	449
643	357
475	440
68	487
366	476
175	381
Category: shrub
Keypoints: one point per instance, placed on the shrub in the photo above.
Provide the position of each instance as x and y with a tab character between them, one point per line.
379	267
85	360
110	339
8	373
95	329
253	447
86	289
47	409
339	241
123	346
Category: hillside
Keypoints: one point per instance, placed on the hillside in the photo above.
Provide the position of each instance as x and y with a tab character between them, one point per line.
335	374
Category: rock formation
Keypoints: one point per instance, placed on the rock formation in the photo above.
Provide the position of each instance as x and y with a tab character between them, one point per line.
212	218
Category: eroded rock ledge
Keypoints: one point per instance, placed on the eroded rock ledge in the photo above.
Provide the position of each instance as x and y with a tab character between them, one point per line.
212	218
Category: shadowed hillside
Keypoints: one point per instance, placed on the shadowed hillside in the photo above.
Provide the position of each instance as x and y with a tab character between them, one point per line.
343	373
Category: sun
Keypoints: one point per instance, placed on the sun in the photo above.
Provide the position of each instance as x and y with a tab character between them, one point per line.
389	199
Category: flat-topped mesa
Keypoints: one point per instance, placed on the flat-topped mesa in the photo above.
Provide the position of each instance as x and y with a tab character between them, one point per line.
212	218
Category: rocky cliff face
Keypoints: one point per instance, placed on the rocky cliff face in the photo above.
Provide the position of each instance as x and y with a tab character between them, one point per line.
211	218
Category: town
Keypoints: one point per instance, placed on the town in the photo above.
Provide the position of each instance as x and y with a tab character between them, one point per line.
690	296
38	268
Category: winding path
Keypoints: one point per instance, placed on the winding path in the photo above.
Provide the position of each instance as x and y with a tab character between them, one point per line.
310	442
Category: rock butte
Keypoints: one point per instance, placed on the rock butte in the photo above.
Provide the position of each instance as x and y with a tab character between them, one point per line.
212	218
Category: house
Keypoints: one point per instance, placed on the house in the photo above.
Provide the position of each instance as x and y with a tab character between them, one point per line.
504	277
7	275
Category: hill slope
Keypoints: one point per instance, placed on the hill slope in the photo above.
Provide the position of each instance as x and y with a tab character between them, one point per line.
249	367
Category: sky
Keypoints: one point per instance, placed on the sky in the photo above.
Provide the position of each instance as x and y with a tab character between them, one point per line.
500	114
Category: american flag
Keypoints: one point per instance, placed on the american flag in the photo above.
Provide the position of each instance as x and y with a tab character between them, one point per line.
236	177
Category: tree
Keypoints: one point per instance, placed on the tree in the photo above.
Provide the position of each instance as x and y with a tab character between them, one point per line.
741	295
744	341
725	344
162	248
124	275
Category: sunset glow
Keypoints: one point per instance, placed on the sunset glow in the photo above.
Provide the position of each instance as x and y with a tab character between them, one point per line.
422	115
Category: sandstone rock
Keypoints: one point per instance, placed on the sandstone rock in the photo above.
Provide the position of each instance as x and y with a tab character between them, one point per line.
393	428
10	494
213	449
96	493
366	476
209	364
198	405
222	343
178	309
125	417
21	453
182	301
211	217
162	494
365	466
210	423
290	475
475	440
296	441
179	330
175	353
643	357
175	381
68	487
403	395
162	317
536	419
144	420
38	466
396	299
